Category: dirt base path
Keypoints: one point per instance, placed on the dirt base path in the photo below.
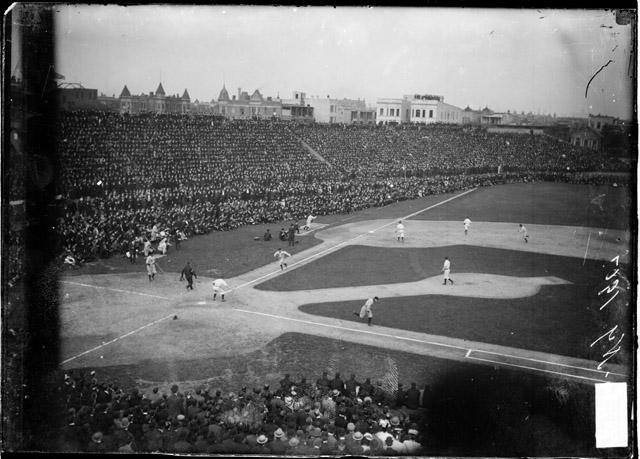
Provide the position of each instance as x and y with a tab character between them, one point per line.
132	319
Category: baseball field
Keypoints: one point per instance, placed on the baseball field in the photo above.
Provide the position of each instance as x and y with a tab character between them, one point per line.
508	355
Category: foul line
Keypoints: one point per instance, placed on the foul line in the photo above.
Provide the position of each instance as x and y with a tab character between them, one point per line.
328	249
115	339
536	369
452	346
116	290
587	249
595	370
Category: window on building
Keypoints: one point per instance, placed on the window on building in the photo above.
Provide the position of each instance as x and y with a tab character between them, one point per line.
382	112
430	113
424	113
407	113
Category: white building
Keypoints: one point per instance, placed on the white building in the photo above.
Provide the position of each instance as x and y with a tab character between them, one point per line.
418	108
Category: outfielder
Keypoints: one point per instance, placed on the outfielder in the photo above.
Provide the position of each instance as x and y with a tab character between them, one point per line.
400	231
446	269
466	223
218	286
523	230
281	255
365	310
151	267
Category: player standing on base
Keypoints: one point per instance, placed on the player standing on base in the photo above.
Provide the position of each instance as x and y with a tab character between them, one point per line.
446	269
218	286
400	231
281	255
525	235
466	223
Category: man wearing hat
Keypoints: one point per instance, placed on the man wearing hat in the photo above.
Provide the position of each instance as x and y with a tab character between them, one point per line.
293	449
353	444
261	446
337	383
323	383
279	444
97	445
410	443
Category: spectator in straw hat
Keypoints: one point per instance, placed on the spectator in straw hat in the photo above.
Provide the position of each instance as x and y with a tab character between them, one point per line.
279	444
354	446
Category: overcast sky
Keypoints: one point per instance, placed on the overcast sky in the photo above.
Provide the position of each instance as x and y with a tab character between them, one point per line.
531	60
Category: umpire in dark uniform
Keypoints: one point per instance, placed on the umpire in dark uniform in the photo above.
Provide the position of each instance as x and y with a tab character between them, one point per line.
188	273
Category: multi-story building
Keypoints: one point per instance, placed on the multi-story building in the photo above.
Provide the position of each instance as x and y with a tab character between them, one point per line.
417	108
157	102
74	96
297	108
389	110
244	106
345	111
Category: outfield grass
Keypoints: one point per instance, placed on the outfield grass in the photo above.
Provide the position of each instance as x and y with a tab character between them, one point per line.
562	319
543	203
365	265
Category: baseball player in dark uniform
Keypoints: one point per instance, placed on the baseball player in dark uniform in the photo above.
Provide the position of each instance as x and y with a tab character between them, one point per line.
188	273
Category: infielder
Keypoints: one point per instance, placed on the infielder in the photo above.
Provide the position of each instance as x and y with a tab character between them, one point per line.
523	230
466	223
365	310
151	267
400	231
218	286
281	255
307	227
446	269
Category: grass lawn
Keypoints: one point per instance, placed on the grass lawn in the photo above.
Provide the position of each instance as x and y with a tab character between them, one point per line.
543	203
365	265
563	319
471	409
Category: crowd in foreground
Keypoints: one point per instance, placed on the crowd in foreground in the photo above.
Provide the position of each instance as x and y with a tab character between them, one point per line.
328	417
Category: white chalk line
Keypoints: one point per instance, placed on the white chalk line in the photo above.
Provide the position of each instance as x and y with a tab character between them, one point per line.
116	339
340	244
546	362
434	343
536	369
116	290
587	249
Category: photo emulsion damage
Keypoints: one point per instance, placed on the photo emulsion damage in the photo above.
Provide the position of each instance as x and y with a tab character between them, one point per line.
319	231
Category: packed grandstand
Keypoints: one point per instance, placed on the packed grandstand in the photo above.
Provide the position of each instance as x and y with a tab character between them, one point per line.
122	175
298	417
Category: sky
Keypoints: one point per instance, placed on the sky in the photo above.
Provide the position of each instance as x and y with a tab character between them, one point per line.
522	60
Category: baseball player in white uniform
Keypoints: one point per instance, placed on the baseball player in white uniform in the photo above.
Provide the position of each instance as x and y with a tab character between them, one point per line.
310	218
467	224
400	231
281	255
365	310
219	286
446	269
151	267
523	230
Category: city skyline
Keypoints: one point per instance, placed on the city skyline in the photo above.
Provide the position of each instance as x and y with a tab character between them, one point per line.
536	61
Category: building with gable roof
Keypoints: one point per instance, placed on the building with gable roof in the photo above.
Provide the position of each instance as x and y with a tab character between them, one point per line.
243	106
157	102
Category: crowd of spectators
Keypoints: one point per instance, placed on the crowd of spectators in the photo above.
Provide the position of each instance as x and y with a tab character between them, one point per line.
121	175
328	417
384	151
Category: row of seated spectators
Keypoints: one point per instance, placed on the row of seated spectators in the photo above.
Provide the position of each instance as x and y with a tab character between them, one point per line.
422	150
123	174
331	417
